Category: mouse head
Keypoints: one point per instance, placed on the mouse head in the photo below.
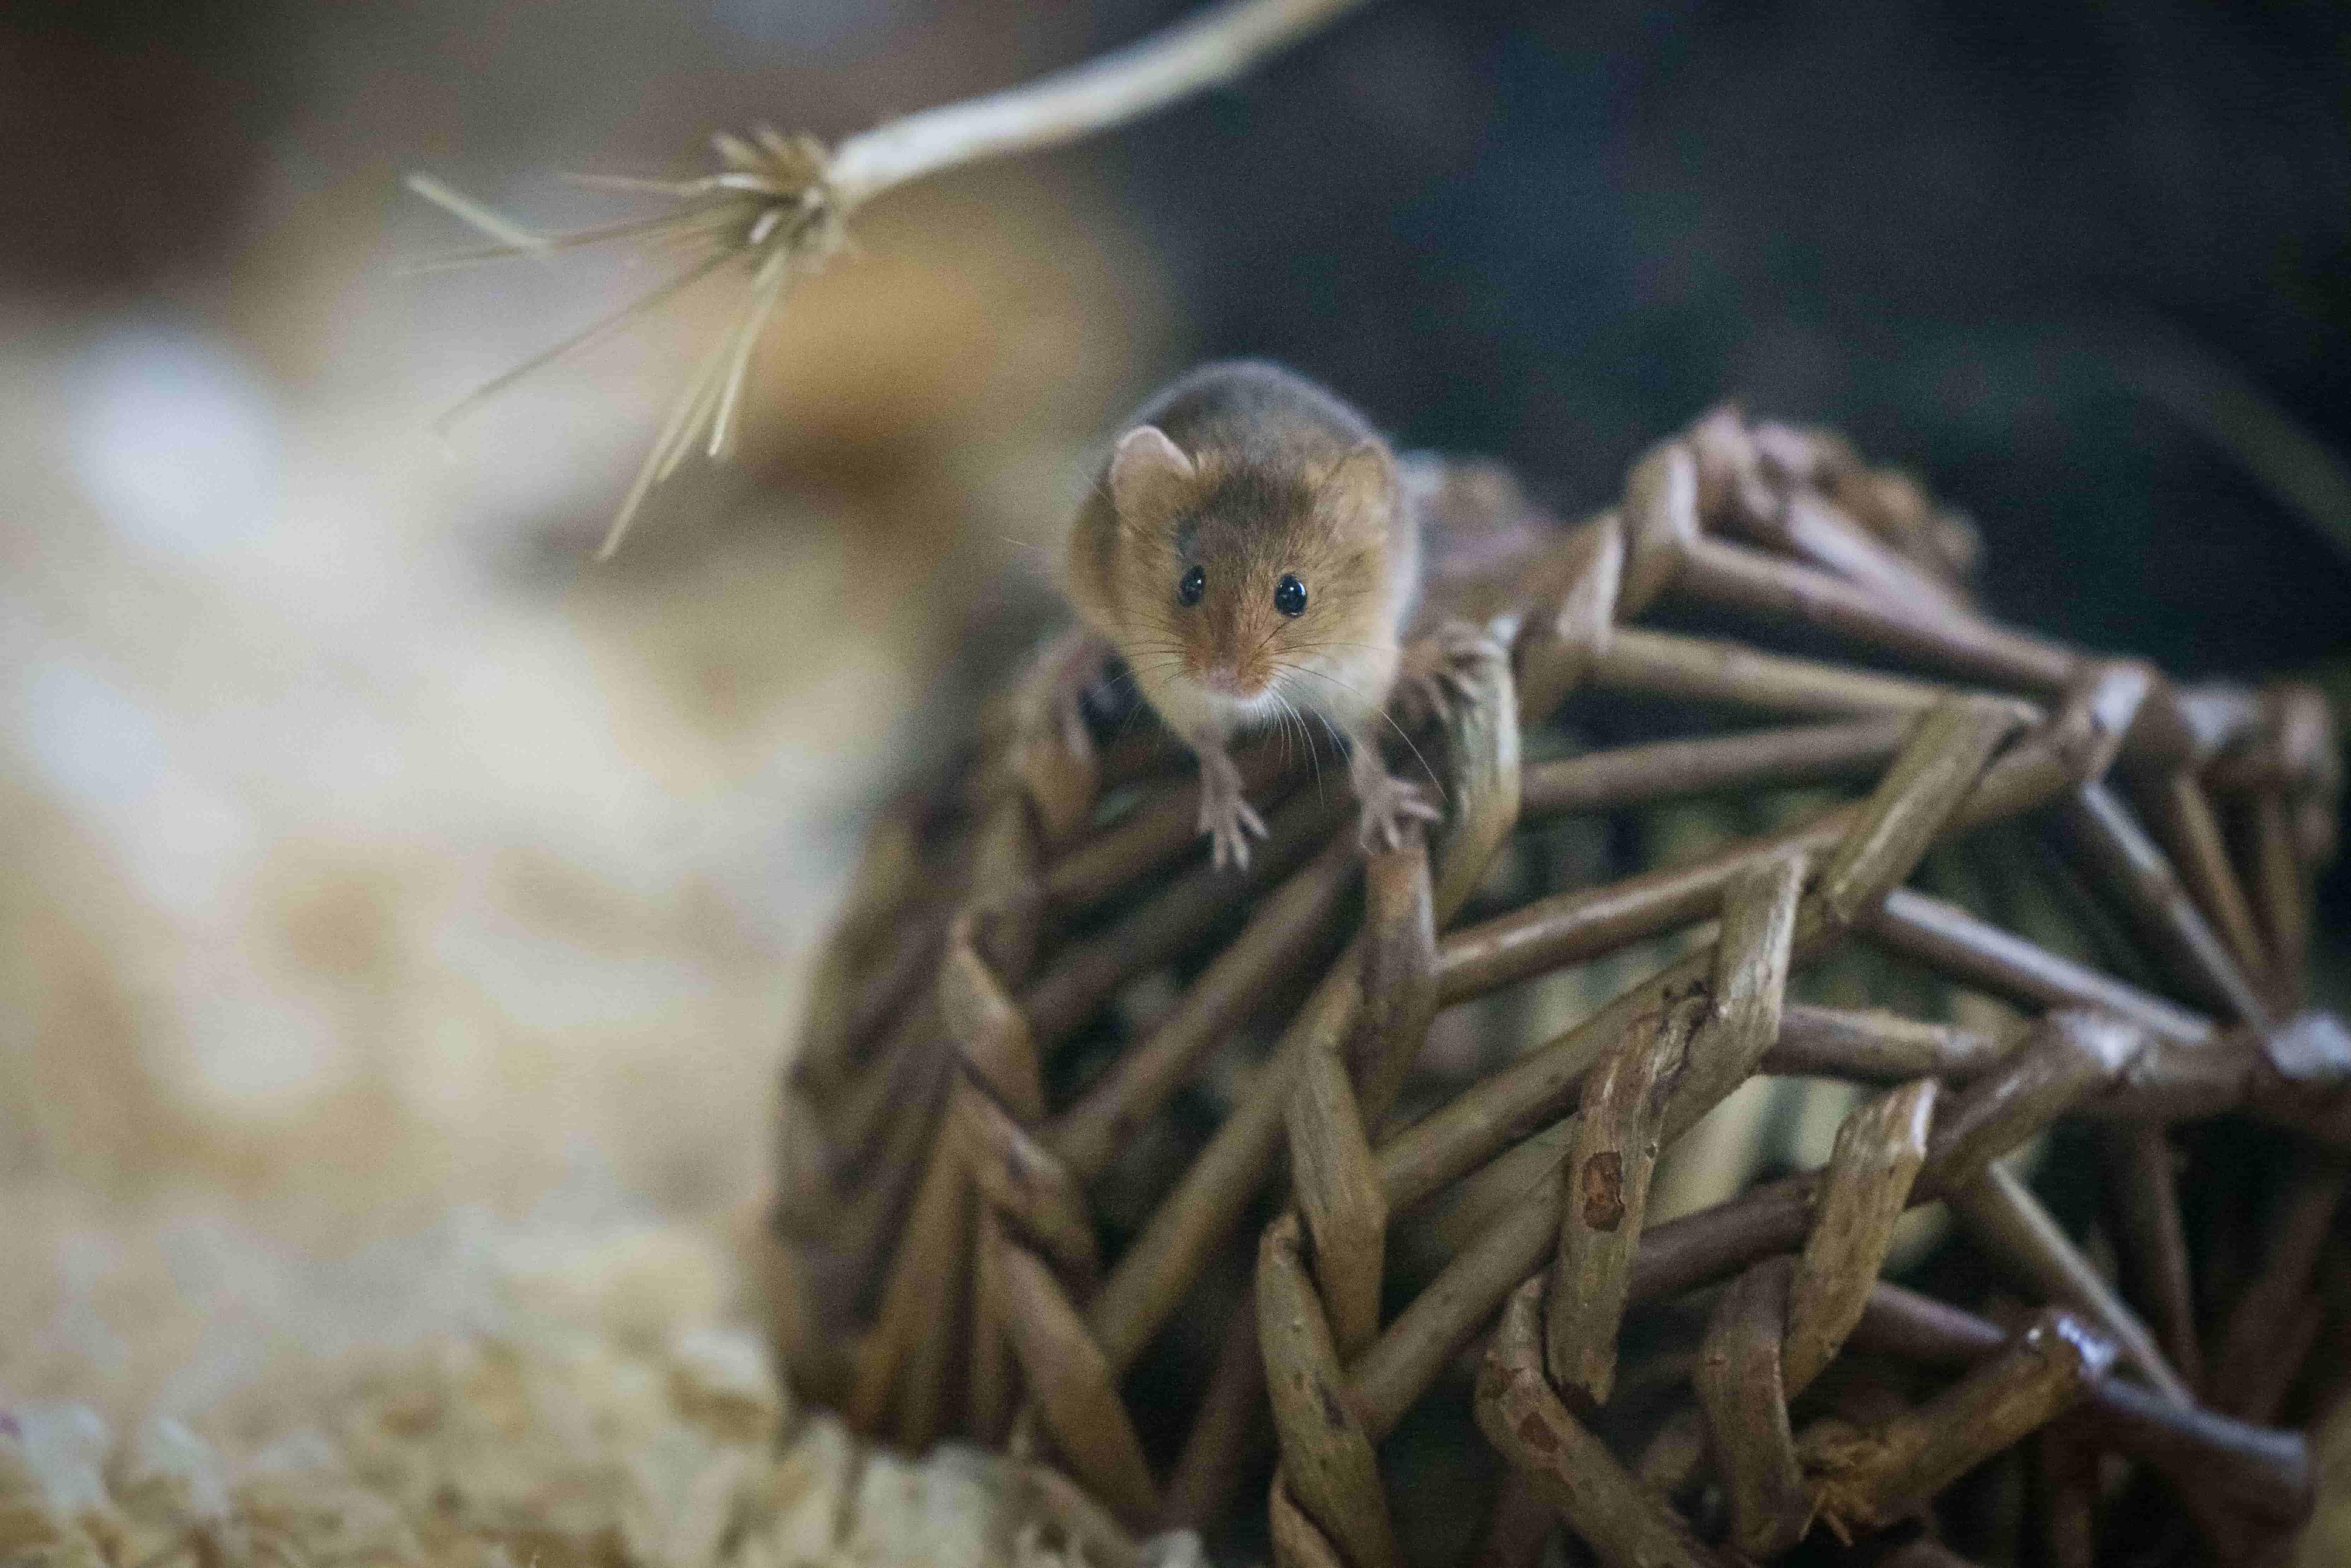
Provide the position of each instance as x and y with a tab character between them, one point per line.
1248	570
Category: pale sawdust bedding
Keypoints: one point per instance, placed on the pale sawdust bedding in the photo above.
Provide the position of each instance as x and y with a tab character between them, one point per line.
570	1400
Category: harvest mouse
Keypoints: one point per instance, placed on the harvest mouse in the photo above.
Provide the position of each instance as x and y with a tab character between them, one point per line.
1248	552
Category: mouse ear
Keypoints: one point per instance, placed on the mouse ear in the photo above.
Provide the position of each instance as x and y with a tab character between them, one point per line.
1147	473
1364	484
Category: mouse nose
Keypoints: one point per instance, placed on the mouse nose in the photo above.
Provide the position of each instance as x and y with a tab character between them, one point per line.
1223	678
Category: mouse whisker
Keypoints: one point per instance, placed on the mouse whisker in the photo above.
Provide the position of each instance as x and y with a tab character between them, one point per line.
1290	714
1337	742
1390	722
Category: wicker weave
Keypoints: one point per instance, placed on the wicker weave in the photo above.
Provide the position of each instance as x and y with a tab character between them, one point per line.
1036	1119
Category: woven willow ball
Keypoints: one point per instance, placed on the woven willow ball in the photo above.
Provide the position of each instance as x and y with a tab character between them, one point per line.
1311	1206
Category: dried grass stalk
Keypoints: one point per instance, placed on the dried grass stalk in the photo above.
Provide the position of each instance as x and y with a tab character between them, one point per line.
778	208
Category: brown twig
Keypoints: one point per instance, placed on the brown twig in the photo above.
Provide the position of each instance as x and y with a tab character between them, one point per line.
1569	1469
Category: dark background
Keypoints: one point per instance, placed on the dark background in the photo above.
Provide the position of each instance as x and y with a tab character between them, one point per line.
2002	243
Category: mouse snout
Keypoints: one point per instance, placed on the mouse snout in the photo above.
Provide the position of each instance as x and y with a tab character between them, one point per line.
1224	679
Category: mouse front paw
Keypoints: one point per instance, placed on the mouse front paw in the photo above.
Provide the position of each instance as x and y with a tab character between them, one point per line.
1437	671
1226	815
1387	807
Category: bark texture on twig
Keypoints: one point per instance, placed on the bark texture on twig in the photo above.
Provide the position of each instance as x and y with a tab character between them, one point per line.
1869	1479
1569	1468
1740	1387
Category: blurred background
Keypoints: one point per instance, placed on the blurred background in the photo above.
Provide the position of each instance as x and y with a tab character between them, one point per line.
371	856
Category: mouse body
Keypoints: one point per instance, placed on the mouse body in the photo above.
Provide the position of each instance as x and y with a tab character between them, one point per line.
1249	553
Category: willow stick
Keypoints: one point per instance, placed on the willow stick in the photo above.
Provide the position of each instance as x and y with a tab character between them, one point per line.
1740	1387
1399	975
1570	1467
1607	1193
1876	1047
1879	845
1229	1431
2259	1327
1947	640
918	1280
2142	1174
1947	938
1556	643
2044	1372
1516	1527
991	1037
1680	1060
1664	769
1337	1187
2109	838
2283	895
1699	669
2265	1471
1107	1117
1779	485
2072	1056
1943	759
927	1384
2068	1474
2000	1213
1161	829
1081	976
1880	1147
1587	922
2180	811
1326	1453
1022	1181
1149	1281
871	1107
990	1385
902	960
1298	1541
1076	1391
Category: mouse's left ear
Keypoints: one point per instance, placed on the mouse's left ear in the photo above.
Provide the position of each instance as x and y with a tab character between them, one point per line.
1364	484
1148	476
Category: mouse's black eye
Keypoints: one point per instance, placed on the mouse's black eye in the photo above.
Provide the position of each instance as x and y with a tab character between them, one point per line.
1289	595
1195	583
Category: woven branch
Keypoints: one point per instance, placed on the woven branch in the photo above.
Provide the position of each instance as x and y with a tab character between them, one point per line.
1054	1064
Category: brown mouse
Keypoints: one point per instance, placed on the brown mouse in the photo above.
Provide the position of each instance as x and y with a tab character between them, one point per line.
1250	554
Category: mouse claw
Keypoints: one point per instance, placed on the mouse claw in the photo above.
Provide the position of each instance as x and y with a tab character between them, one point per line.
1229	820
1436	673
1389	810
1229	843
1228	849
